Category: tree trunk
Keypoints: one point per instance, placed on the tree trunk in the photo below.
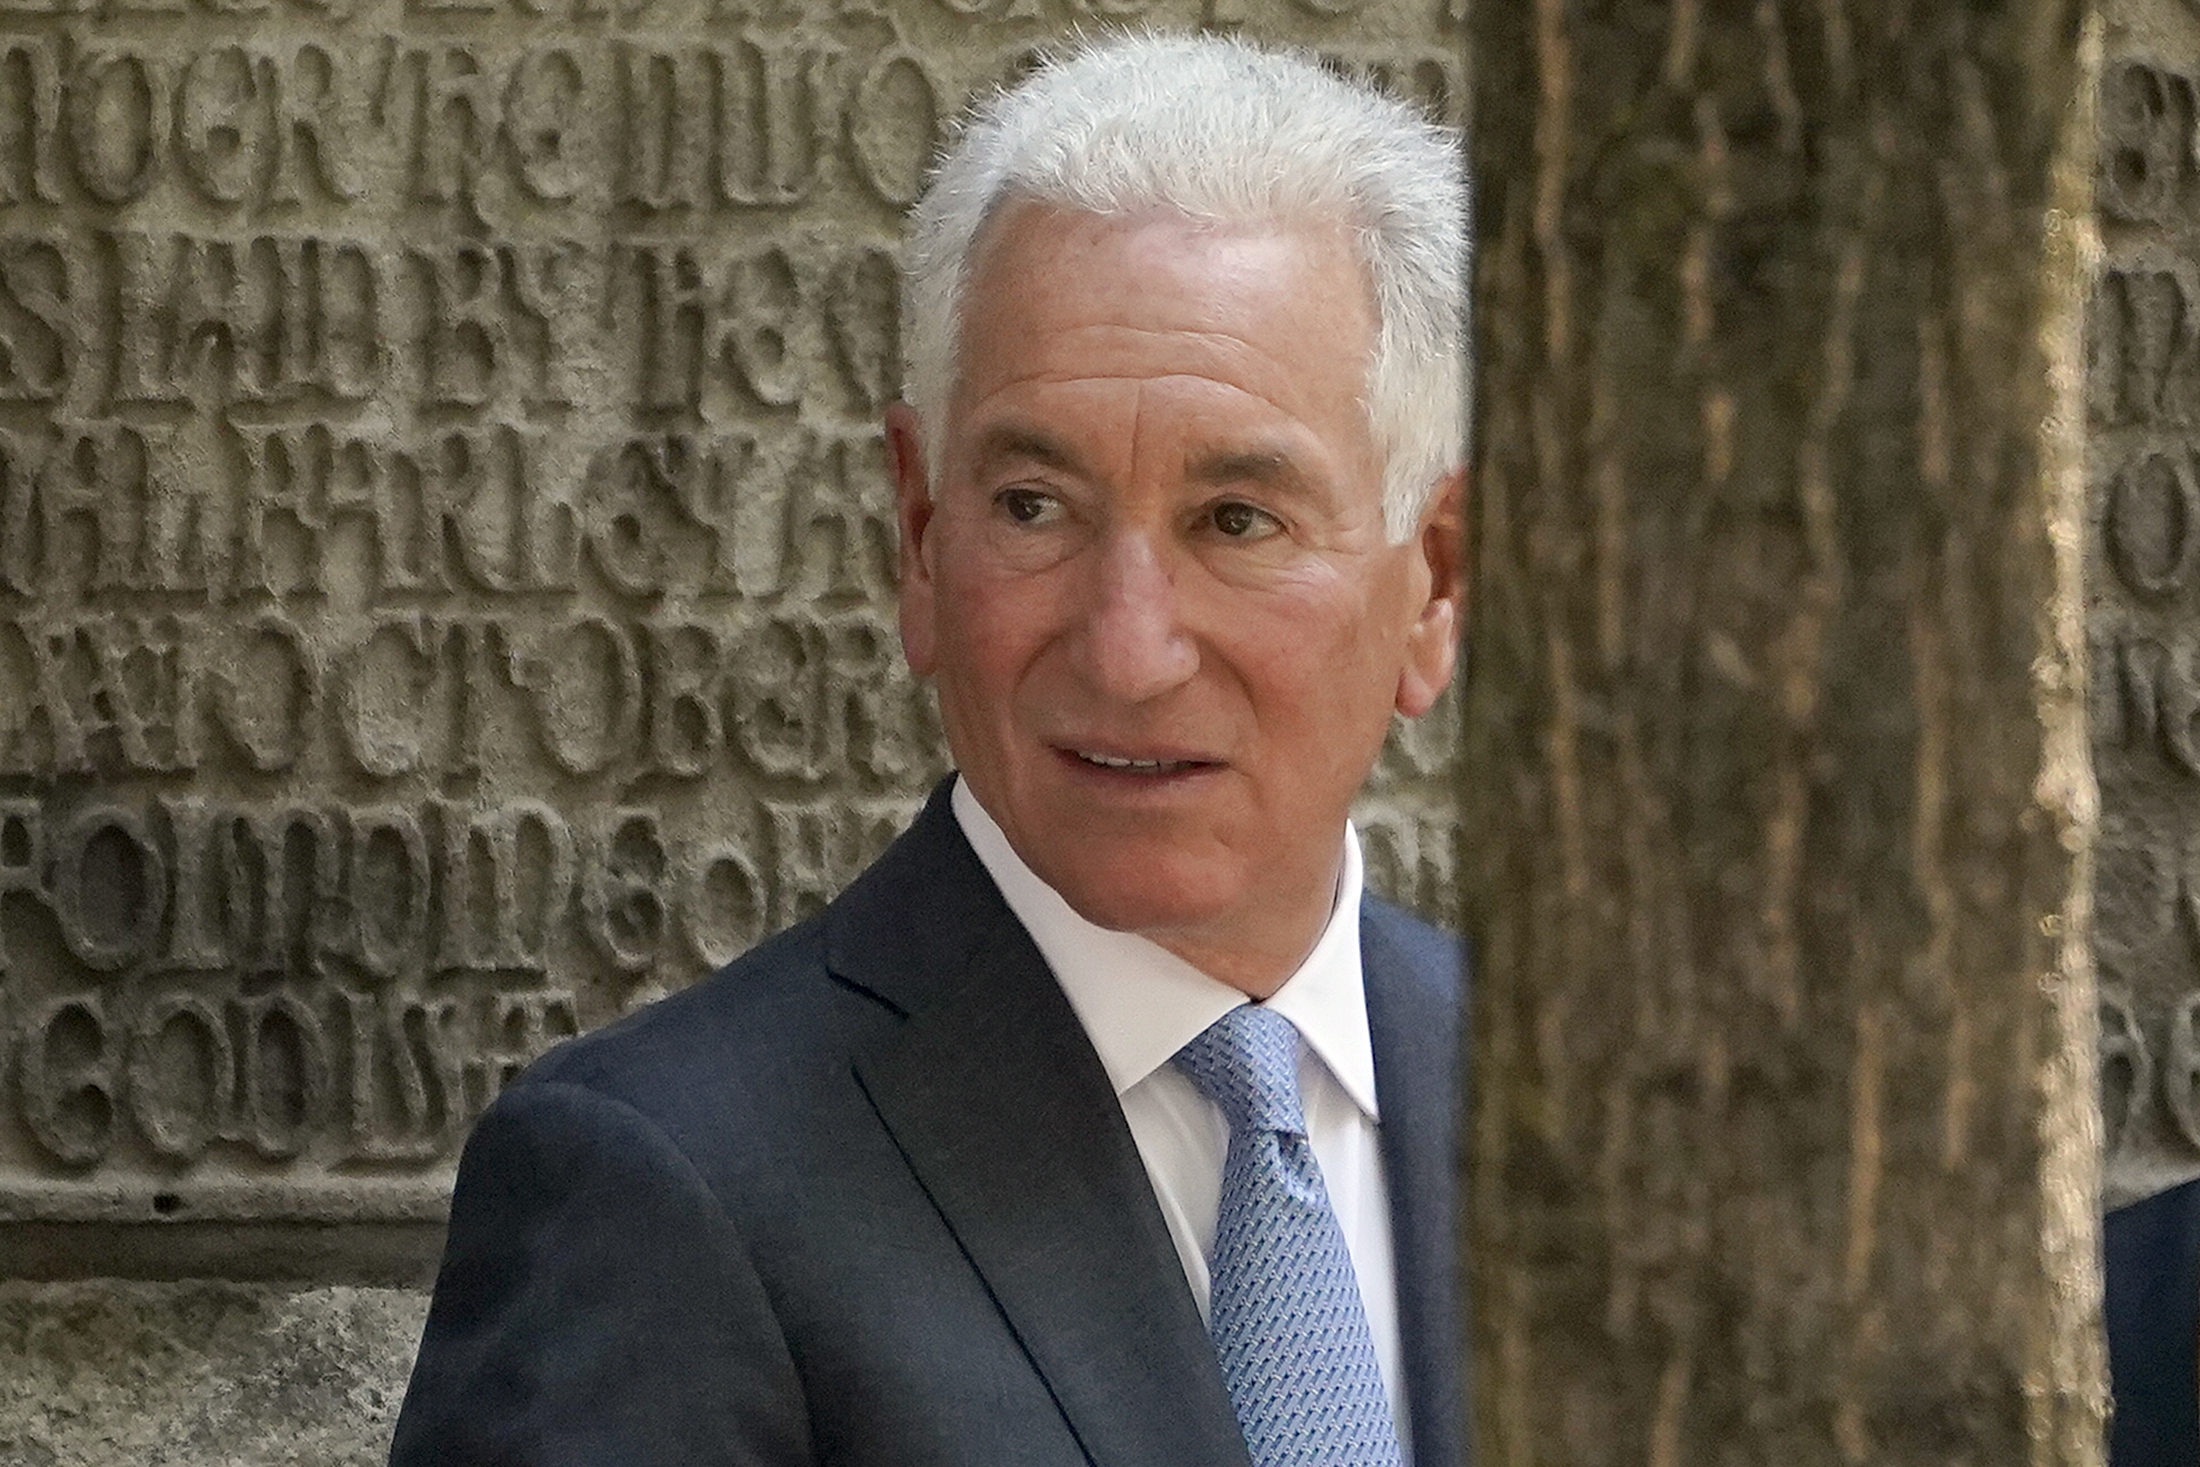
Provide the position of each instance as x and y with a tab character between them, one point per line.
1784	1147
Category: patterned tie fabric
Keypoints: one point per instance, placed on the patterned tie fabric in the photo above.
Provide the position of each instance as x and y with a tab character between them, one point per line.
1286	1315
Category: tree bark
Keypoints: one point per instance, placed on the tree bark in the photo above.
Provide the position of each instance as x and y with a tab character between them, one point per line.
1784	1145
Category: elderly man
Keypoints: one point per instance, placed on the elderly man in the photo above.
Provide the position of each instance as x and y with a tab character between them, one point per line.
1104	1119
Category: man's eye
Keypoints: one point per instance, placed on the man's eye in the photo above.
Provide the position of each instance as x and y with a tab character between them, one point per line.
1241	521
1027	506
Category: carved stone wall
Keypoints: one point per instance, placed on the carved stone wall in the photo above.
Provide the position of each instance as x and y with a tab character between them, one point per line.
2143	396
445	599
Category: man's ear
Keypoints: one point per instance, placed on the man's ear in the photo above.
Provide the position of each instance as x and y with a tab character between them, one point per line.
913	518
1432	642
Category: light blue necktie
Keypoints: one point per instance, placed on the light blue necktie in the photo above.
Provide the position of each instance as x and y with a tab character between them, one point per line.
1285	1313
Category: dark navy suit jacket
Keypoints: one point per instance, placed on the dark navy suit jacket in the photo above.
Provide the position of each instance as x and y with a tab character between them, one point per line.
866	1197
2152	1250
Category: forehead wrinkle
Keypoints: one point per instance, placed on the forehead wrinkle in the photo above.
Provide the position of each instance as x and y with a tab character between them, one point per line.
1228	344
1252	370
1143	381
1269	456
1138	424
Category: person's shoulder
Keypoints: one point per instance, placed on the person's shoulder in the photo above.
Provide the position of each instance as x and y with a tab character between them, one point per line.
737	1039
2175	1208
780	1001
766	976
2151	1250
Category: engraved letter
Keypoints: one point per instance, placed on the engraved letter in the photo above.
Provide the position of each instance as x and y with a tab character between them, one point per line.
68	1069
117	104
22	860
2153	523
182	1076
110	888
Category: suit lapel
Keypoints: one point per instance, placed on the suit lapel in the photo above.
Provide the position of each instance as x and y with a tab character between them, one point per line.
1005	1115
1413	1017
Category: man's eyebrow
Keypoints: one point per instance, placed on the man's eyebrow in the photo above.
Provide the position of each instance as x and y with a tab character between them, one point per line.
1269	467
1008	441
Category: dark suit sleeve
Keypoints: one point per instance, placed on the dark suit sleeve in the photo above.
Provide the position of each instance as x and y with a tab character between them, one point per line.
595	1306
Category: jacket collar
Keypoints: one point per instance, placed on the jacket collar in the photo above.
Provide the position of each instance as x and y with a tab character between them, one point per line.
1004	1113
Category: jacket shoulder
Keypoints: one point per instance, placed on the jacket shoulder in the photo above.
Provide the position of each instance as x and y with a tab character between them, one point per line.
778	1028
1390	932
751	1040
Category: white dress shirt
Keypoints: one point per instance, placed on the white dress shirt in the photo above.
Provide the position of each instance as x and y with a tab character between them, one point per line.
1140	1004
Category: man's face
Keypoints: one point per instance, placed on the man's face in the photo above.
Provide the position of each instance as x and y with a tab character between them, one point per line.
1152	582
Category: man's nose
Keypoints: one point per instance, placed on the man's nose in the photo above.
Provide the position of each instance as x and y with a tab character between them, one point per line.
1133	640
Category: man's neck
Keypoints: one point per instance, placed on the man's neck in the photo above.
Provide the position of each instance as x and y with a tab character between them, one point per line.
1256	962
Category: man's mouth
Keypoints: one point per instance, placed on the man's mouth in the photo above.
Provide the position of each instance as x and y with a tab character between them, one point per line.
1140	766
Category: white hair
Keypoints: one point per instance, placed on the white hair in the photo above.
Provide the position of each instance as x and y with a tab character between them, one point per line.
1223	132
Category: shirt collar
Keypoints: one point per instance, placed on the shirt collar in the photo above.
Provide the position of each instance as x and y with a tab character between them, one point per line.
1140	1003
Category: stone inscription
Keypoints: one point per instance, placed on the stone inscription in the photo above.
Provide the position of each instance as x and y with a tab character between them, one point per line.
446	551
2143	399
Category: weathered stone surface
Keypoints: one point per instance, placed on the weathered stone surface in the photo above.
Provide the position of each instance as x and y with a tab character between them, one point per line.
446	552
2143	397
200	1374
445	560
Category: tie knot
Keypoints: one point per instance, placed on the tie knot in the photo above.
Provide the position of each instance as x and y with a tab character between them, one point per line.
1247	1063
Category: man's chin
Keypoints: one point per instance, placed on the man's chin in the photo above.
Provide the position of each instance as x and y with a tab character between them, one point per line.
1150	896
